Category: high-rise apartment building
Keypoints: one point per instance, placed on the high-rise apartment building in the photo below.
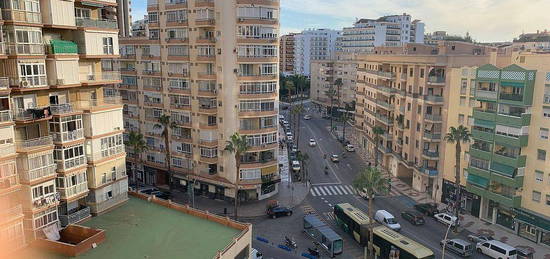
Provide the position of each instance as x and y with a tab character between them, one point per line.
124	17
313	44
212	66
286	52
389	31
61	152
340	74
404	91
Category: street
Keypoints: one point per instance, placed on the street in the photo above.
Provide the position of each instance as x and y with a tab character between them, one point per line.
336	187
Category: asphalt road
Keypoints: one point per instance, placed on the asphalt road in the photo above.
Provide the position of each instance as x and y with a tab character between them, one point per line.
338	183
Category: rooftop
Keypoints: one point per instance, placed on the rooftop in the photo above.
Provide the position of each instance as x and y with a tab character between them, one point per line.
140	229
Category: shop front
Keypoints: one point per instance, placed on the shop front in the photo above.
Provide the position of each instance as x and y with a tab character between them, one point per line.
533	226
470	202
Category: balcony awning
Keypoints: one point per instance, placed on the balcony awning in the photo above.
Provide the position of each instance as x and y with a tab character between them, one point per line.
512	84
63	46
503	169
533	218
478	180
484	123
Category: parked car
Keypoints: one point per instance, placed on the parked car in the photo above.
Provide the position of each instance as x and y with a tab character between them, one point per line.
334	158
446	219
312	142
479	238
307	117
496	249
279	211
350	148
363	193
254	254
524	253
428	209
296	165
414	217
163	195
286	124
149	191
387	219
458	246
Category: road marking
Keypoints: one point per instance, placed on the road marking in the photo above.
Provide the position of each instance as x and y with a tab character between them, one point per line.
343	189
338	190
326	189
330	205
329	215
329	190
350	189
317	184
332	189
312	192
322	191
323	152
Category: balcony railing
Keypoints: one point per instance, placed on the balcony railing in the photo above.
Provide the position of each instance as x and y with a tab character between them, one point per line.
38	173
429	171
8	181
59	109
34	143
4	83
436	79
25	49
67	164
75	216
511	97
100	76
432	117
430	135
29	81
433	98
46	200
11	213
486	94
96	23
98	103
106	153
430	153
5	116
22	16
6	150
73	190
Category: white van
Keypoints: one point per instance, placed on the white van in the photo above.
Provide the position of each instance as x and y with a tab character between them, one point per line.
387	219
497	249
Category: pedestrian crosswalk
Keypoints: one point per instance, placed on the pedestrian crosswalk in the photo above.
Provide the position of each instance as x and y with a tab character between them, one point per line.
329	190
329	215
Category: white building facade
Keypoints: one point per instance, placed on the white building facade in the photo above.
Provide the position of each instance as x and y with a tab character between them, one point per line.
313	44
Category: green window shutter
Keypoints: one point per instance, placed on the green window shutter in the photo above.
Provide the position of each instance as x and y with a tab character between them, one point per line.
478	180
503	169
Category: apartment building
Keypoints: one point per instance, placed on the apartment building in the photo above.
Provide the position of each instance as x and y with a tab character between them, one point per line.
60	161
389	31
339	73
507	164
405	91
313	44
212	66
286	50
539	41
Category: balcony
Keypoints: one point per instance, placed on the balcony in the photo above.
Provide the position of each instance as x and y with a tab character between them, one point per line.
75	216
436	80
484	94
204	3
520	141
428	171
385	119
5	116
384	104
7	182
432	136
4	83
430	154
68	135
96	23
11	213
106	102
62	47
105	153
75	190
514	120
7	150
21	16
433	98
433	117
25	49
25	145
29	82
46	200
546	98
484	114
70	163
37	173
60	109
103	77
479	153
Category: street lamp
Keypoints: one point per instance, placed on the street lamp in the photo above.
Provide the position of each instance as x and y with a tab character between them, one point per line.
445	241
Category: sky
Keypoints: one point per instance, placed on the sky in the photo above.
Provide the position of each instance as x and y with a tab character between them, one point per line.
485	20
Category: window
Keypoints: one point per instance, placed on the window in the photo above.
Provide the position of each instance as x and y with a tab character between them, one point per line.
408	106
543	133
82	13
541	154
250	174
417	127
108	47
112	145
461	118
32	74
462	101
421	73
176	16
153	17
547	199
536	196
471	102
539	176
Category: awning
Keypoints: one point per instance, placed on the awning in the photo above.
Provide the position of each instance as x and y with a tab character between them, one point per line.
533	218
503	169
484	123
512	84
478	180
269	170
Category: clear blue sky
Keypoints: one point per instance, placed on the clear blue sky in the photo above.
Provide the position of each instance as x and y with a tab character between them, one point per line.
486	20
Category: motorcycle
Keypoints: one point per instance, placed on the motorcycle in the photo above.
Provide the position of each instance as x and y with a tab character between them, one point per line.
290	242
314	251
326	169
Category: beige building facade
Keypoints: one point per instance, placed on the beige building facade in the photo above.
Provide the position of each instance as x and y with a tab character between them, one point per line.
62	158
286	52
212	66
326	73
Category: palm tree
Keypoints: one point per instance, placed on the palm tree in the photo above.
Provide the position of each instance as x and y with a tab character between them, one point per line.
297	111
377	131
331	93
138	145
371	181
165	124
338	83
303	157
345	118
290	86
456	136
238	145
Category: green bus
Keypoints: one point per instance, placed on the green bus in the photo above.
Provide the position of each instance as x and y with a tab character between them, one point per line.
387	243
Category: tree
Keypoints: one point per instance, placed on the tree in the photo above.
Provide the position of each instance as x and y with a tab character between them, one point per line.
377	131
371	181
338	83
303	157
297	111
164	124
331	93
457	136
238	145
345	118
138	145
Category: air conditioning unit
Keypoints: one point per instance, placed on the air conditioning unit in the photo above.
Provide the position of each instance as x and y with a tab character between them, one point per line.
24	83
60	81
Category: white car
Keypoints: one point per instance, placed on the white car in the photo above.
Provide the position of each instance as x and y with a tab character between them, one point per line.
350	148
307	117
312	142
296	165
446	219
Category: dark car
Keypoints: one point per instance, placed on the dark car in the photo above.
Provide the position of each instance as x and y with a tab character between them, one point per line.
428	209
279	212
414	217
149	191
162	195
524	253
